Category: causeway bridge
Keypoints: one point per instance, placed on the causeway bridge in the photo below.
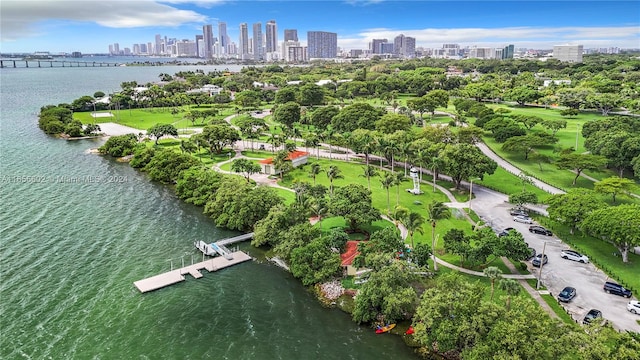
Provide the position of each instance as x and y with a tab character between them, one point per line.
227	258
45	63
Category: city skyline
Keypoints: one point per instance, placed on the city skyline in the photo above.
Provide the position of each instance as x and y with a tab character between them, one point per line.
66	26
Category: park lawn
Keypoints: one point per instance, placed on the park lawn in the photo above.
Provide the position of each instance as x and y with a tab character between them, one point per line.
257	154
505	182
558	309
550	174
147	117
604	255
288	196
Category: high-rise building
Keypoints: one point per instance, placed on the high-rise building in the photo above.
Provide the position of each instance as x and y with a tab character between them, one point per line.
271	31
507	52
258	50
207	32
158	46
569	53
111	49
244	41
199	39
222	34
404	46
451	50
116	48
376	45
322	45
290	35
386	48
185	48
296	53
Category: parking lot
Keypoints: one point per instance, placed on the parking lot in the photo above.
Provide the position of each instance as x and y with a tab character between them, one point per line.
558	272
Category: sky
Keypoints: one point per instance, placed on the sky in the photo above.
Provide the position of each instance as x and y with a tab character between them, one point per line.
89	26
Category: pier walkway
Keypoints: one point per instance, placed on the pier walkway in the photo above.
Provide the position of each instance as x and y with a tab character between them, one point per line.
227	258
176	276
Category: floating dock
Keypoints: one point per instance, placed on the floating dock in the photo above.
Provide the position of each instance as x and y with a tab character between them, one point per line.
176	276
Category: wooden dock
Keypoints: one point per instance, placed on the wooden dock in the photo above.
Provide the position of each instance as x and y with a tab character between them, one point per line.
176	276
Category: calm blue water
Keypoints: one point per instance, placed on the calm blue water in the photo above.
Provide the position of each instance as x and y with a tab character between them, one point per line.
70	253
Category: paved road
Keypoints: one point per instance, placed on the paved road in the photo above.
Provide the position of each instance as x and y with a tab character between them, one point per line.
558	273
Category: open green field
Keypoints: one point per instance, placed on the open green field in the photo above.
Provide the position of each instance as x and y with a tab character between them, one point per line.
145	118
507	183
567	138
418	203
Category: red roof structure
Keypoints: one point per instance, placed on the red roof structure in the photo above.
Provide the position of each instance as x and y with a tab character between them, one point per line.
292	155
350	253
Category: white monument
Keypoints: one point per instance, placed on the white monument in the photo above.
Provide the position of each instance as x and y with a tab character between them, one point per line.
415	175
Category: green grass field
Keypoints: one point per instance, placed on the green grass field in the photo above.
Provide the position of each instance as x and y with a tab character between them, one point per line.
145	118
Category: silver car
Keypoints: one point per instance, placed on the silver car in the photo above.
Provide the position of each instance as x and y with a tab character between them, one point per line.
574	255
523	219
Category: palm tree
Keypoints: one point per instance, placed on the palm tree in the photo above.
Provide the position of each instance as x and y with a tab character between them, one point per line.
399	213
405	150
436	211
369	172
387	181
435	164
333	172
314	170
328	137
413	222
493	273
318	208
397	181
511	287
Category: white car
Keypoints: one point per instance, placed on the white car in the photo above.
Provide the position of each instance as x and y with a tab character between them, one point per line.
574	255
523	219
634	307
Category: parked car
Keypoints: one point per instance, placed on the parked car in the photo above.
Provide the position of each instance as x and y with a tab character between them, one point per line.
634	307
523	219
505	232
518	211
536	229
591	316
574	255
567	294
616	289
536	260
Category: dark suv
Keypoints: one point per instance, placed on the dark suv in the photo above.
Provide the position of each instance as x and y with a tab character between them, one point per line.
616	289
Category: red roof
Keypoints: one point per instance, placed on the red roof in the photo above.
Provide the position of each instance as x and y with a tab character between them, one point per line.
350	253
292	155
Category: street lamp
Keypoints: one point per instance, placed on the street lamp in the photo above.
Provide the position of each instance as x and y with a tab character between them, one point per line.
577	133
544	245
471	192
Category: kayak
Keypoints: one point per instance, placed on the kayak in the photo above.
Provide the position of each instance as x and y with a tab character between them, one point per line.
409	331
384	329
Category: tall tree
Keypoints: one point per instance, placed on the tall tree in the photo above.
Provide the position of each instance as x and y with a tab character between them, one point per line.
574	206
436	211
614	186
413	222
465	161
287	114
493	273
333	172
160	130
618	225
314	170
580	162
353	202
387	181
369	172
246	167
511	287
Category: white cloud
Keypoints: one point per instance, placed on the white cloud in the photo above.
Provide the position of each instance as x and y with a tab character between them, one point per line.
622	36
21	18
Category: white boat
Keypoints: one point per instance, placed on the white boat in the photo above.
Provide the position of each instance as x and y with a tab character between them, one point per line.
205	248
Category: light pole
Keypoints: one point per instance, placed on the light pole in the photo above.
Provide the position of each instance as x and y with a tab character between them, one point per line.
471	192
544	245
577	133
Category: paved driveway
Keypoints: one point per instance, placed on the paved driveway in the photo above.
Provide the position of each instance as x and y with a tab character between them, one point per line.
558	273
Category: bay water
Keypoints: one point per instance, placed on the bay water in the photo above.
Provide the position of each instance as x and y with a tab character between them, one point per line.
71	248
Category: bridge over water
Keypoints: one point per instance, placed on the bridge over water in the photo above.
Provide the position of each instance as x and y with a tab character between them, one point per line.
45	63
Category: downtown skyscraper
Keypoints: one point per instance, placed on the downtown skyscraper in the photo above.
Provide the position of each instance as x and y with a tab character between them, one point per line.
258	49
223	38
207	32
271	30
244	41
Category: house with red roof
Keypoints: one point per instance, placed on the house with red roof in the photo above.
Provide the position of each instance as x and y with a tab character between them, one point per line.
347	257
296	157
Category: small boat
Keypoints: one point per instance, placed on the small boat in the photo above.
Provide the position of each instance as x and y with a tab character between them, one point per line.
384	329
409	331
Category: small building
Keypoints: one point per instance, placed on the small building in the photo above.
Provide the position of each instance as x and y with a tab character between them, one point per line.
348	256
207	89
296	157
